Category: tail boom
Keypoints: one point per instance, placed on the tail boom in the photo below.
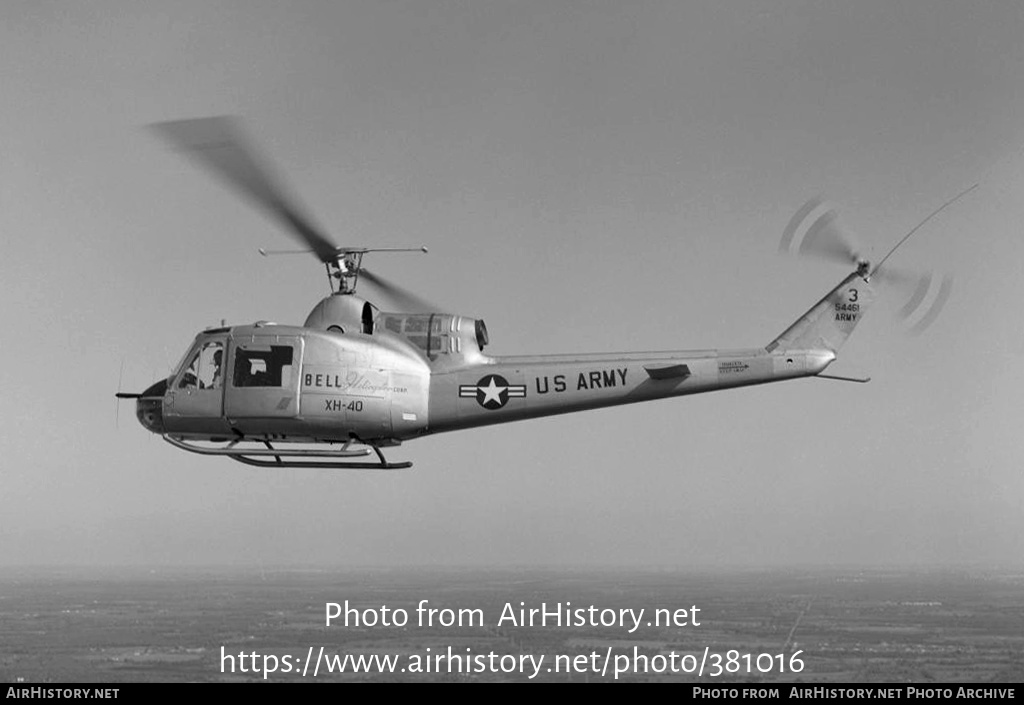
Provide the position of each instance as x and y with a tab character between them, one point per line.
516	388
506	389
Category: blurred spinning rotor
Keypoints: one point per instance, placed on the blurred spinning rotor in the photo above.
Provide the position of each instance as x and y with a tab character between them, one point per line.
816	230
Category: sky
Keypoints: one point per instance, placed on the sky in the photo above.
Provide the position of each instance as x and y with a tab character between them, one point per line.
588	177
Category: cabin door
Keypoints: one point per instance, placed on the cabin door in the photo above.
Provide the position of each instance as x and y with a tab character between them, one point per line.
264	379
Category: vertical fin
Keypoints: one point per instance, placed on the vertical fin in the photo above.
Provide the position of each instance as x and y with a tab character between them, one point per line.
828	323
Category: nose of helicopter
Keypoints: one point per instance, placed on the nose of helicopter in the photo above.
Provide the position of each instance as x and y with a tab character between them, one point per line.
149	407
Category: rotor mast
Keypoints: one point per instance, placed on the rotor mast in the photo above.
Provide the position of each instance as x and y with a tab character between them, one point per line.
343	271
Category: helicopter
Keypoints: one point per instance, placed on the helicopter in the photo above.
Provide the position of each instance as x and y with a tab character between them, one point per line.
353	379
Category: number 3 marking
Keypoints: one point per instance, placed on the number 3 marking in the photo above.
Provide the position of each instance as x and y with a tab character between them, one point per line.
853	295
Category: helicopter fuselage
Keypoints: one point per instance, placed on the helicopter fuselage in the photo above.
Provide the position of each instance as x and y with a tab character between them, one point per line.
411	375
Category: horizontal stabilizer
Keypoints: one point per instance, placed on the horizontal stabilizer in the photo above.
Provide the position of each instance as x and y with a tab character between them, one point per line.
668	372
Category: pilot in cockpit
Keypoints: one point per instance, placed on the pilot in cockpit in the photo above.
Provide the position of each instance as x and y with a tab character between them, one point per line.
215	380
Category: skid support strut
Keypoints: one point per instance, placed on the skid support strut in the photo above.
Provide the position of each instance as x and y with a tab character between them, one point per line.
303	457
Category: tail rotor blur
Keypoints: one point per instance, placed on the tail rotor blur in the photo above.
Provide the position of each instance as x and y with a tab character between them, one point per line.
816	230
926	302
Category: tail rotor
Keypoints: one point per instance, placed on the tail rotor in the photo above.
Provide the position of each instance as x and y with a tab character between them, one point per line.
816	230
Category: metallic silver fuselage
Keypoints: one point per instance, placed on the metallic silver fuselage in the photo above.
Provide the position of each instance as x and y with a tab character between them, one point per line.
381	388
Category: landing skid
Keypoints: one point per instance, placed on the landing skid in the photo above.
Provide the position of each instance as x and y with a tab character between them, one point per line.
307	457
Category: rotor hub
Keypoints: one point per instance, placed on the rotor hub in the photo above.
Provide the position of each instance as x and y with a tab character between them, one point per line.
345	270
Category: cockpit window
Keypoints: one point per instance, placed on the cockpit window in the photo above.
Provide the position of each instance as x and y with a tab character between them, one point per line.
262	366
204	370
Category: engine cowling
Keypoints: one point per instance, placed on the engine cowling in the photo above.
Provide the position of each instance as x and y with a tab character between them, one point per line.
342	313
435	334
438	334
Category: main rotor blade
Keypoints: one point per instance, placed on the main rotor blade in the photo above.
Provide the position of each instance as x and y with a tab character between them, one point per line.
922	223
219	144
407	301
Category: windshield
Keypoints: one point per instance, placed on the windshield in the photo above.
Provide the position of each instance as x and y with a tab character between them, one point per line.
201	365
186	357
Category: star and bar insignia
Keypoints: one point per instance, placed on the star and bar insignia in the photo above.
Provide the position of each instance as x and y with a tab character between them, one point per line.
492	391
